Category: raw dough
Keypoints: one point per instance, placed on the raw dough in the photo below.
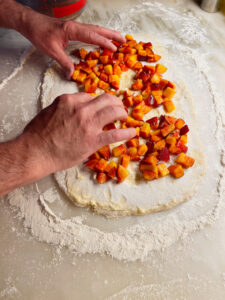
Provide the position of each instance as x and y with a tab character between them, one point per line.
134	196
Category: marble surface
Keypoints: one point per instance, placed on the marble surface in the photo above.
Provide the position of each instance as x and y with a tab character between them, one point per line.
189	269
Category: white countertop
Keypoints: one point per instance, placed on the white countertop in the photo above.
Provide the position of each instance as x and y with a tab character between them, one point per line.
193	268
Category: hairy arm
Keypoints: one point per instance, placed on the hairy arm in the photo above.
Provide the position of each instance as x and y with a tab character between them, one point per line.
19	164
52	35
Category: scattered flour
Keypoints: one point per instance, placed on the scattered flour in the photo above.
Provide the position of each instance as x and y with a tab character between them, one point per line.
157	232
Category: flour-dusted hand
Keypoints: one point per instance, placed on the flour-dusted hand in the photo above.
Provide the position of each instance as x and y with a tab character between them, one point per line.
52	36
71	129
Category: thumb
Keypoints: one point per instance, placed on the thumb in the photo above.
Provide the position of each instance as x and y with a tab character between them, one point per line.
65	62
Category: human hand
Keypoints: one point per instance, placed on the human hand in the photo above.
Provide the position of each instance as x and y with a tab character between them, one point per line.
71	129
52	36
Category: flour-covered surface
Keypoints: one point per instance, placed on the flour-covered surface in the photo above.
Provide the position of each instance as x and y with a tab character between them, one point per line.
183	248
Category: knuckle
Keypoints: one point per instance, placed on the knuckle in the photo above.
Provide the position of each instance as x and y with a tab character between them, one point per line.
67	26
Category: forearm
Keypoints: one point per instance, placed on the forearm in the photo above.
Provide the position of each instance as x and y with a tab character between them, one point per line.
14	15
19	165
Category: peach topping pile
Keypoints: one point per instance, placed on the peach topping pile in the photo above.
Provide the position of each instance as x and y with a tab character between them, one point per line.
158	137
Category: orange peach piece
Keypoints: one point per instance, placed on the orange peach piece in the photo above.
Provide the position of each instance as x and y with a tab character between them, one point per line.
160	145
133	142
148	175
129	37
167	130
81	77
138	99
104	59
110	165
179	123
168	106
83	53
122	173
75	74
137	114
132	151
176	170
169	93
117	70
91	163
94	155
128	101
155	138
105	152
137	66
137	85
160	69
151	159
92	62
102	177
163	170
142	149
155	78
145	130
171	140
183	139
108	69
119	150
131	122
103	85
125	159
185	160
101	165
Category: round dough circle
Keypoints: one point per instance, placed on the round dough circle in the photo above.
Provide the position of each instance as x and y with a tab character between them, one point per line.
134	196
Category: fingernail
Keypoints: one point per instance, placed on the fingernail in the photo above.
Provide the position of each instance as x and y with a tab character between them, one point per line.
68	75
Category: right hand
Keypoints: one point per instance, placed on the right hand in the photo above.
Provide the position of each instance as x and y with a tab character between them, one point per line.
71	129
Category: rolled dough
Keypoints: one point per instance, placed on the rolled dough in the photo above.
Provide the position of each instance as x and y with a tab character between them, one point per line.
134	196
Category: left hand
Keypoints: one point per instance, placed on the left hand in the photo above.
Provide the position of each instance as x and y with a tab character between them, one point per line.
52	36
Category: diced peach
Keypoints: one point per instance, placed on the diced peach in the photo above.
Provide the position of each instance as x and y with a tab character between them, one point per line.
137	114
89	86
128	101
156	78
81	77
160	69
159	145
173	149
91	164
110	165
103	85
151	159
122	173
176	170
183	139
102	177
92	62
137	66
171	140
179	123
170	120
104	77
108	69
137	85
75	74
119	150
155	138
83	53
185	160
104	59
168	106
133	143
153	58
94	155
105	152
114	81
101	165
169	93
148	175
163	170
125	159
132	151
149	168
138	99
145	130
142	149
167	130
129	37
133	123
117	70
